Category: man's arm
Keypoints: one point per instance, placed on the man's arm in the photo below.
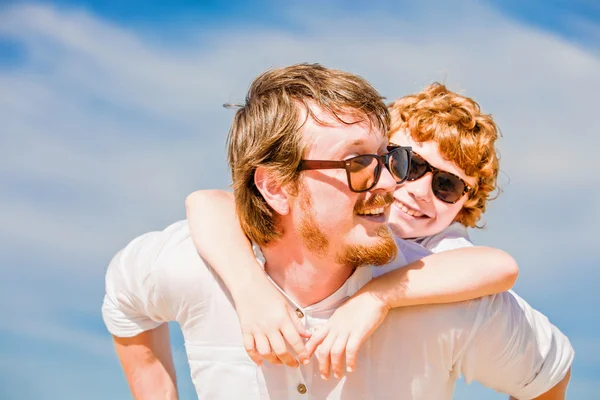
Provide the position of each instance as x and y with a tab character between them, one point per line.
148	364
558	392
155	279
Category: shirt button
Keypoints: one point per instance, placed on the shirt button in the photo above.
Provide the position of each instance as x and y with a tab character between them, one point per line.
302	388
300	314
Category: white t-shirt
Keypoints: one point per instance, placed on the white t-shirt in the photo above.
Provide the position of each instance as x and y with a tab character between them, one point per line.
454	236
417	352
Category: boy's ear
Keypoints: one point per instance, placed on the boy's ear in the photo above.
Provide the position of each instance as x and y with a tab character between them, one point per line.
273	192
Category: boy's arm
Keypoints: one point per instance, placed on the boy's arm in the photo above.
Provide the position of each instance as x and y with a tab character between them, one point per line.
266	319
215	231
446	277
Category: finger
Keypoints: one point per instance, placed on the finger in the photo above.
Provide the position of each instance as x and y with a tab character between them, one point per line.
281	350
300	328
338	351
250	347
264	349
324	356
316	339
352	348
293	338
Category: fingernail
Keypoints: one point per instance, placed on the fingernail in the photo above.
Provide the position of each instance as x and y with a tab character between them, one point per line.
323	377
338	376
349	369
306	362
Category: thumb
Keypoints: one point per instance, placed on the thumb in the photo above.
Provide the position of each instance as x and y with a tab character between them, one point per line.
316	339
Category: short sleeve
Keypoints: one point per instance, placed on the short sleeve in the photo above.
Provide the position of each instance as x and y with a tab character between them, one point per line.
128	289
514	349
155	279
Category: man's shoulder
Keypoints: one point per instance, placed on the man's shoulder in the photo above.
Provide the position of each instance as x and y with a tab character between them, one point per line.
157	277
177	260
166	257
455	236
470	314
154	245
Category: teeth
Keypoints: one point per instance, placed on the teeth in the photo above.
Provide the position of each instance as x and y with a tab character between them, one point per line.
409	211
374	211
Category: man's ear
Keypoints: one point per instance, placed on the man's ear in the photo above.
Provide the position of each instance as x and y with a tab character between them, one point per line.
273	192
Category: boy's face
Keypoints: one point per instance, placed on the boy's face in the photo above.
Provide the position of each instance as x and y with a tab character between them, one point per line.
331	219
416	211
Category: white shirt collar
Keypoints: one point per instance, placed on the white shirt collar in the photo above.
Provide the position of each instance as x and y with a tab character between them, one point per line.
358	279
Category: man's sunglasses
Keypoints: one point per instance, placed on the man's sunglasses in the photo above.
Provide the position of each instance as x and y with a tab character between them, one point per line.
363	172
446	186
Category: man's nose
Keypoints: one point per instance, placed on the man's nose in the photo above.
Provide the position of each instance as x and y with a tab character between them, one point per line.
421	188
386	181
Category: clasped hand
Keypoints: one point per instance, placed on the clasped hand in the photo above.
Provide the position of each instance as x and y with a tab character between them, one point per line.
273	332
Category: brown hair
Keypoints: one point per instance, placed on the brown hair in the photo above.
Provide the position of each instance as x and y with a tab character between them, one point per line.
465	136
266	131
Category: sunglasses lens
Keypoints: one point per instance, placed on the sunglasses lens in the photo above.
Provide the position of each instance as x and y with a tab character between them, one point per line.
399	163
364	170
447	187
418	167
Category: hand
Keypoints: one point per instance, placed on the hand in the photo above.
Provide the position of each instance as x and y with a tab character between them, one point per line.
345	332
268	321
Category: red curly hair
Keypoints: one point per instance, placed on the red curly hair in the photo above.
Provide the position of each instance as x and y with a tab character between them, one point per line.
464	134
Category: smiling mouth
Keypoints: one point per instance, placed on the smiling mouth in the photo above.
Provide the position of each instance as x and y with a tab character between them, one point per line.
409	211
372	212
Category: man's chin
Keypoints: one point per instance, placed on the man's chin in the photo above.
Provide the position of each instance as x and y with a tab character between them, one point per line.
367	234
379	249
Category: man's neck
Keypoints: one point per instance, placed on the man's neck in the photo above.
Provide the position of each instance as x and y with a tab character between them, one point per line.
303	276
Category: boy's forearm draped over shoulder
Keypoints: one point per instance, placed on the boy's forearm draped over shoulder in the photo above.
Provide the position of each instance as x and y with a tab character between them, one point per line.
266	319
215	230
448	277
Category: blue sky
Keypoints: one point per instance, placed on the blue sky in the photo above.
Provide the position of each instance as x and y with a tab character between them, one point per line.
111	114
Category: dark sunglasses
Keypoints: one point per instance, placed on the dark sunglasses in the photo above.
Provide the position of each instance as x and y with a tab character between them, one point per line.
446	186
363	172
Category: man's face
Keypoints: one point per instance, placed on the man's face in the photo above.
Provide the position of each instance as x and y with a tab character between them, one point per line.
333	221
416	211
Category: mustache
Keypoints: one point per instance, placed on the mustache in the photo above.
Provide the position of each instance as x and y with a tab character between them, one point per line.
375	201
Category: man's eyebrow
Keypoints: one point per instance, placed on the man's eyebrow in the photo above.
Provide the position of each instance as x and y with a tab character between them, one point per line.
351	146
358	142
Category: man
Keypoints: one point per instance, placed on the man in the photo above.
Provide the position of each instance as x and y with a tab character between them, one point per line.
318	223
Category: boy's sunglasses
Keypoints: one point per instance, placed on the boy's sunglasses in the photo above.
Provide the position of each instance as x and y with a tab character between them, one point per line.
446	186
363	172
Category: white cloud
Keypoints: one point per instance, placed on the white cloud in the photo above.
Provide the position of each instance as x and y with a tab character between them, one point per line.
133	118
